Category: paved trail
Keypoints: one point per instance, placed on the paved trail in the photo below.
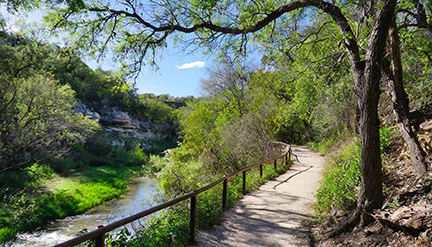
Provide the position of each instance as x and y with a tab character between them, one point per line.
273	215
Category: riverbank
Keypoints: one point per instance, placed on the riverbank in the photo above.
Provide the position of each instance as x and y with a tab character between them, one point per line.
142	194
45	196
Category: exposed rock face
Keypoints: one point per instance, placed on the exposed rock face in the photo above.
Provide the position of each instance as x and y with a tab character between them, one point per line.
121	123
116	120
86	111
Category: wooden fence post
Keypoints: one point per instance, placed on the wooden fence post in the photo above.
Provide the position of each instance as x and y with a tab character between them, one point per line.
192	219
261	171
100	240
244	183
275	164
224	194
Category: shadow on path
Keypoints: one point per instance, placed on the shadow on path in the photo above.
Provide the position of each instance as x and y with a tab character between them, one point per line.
275	214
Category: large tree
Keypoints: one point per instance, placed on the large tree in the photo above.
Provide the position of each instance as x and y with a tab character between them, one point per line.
37	119
138	31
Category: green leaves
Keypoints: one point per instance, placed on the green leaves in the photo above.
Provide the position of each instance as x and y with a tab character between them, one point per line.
76	5
36	112
38	120
199	129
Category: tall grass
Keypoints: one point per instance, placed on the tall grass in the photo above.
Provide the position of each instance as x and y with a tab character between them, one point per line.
341	178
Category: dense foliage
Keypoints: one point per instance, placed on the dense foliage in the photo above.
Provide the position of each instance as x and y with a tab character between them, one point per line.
43	138
341	180
37	119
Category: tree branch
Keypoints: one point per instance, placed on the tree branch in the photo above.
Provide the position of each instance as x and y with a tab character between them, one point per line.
209	25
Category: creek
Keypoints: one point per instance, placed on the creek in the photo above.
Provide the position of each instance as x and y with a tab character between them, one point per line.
142	195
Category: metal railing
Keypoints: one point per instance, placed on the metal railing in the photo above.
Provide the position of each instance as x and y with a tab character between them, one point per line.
98	234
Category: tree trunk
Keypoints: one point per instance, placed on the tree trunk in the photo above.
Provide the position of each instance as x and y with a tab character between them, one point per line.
401	106
371	195
367	76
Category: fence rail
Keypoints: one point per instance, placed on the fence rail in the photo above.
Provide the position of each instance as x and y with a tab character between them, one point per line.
99	233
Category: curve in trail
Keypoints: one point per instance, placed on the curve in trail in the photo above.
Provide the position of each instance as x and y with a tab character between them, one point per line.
273	215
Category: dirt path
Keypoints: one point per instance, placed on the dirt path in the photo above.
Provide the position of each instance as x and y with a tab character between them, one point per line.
273	215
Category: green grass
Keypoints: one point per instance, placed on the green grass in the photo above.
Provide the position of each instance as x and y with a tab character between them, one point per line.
94	185
65	196
341	177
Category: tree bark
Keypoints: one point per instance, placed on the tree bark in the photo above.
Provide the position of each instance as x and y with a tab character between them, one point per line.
367	76
371	195
400	104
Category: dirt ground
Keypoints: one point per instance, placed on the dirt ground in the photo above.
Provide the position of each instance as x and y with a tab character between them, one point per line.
276	214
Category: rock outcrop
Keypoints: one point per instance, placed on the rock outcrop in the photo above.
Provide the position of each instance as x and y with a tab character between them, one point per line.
116	120
121	123
86	111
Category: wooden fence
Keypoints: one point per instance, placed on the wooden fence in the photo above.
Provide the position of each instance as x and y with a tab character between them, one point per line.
99	233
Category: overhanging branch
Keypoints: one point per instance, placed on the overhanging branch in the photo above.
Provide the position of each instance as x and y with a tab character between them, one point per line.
209	25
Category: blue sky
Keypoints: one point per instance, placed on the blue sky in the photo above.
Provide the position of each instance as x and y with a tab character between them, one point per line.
178	76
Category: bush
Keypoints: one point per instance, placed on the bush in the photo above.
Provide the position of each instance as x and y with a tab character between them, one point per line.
17	180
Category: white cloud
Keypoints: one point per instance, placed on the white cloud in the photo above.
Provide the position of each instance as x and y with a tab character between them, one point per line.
198	64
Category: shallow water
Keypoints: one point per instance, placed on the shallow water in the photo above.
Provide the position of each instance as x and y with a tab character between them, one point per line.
139	197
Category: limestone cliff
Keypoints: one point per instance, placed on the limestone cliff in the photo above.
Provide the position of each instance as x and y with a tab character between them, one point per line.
121	123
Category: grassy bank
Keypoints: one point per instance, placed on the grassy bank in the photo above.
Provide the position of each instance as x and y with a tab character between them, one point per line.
42	195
